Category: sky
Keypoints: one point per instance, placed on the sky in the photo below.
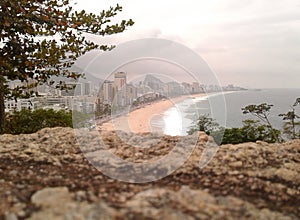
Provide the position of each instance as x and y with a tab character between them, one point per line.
250	43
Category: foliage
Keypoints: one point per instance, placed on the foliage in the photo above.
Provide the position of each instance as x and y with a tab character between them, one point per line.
297	102
290	130
262	111
27	121
250	132
104	110
289	127
233	136
40	39
206	124
80	118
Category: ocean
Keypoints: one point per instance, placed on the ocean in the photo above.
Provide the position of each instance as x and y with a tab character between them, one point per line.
226	108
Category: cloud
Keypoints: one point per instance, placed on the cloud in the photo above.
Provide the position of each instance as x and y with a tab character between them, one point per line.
243	41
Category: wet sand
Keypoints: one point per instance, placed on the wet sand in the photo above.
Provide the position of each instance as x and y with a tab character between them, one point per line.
139	120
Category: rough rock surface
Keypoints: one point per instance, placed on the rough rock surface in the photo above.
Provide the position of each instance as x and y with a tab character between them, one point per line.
46	176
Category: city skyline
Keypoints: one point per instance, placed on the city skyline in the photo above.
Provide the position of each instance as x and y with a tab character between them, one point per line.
119	91
82	97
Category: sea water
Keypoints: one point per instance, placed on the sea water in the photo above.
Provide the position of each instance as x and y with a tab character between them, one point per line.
226	108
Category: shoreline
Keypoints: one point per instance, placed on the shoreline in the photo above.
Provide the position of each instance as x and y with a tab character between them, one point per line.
139	120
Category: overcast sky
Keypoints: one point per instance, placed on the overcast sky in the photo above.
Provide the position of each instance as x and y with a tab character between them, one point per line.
251	43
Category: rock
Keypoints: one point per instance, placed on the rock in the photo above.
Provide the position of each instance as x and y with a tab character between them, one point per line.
80	195
244	181
11	216
13	173
20	186
261	142
237	164
50	196
58	203
287	175
192	204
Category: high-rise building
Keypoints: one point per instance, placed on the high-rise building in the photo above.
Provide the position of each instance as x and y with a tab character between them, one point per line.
195	87
131	94
86	88
120	80
120	89
174	89
108	92
117	92
187	88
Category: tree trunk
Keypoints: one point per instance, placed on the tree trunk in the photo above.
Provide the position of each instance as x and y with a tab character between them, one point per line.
273	130
2	107
294	129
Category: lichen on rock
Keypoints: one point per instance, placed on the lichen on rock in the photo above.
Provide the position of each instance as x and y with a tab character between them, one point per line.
46	175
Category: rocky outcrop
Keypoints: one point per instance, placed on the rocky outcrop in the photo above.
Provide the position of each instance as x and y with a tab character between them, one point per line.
46	176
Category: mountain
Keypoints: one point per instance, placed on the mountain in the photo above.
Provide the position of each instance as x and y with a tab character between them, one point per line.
153	82
87	78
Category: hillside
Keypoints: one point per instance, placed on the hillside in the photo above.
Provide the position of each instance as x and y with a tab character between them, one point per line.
45	176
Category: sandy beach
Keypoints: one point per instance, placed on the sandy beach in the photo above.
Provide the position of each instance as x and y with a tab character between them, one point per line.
139	120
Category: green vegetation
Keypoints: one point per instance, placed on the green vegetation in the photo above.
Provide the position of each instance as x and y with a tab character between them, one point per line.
40	39
80	119
262	112
105	110
205	124
27	121
290	125
252	130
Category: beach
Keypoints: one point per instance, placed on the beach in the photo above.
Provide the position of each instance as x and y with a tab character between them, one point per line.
139	120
